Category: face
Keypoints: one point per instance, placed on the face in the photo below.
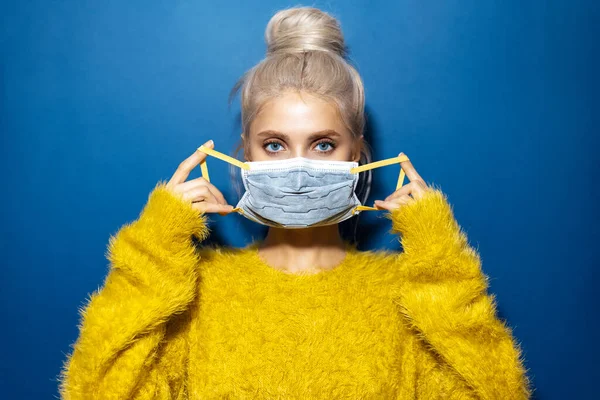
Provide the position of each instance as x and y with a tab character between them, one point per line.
300	125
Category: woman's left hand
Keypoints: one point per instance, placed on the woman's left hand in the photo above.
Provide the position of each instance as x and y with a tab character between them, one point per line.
415	188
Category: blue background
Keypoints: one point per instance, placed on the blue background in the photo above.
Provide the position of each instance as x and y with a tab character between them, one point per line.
494	101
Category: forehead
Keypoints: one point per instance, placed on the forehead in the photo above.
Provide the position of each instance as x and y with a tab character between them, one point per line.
297	113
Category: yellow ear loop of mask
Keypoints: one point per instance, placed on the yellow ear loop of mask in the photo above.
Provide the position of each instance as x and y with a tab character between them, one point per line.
377	164
355	170
224	157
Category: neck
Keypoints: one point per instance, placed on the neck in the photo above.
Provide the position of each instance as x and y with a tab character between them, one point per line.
298	250
315	237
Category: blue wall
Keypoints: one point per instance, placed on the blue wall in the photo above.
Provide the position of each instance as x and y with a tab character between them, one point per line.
496	102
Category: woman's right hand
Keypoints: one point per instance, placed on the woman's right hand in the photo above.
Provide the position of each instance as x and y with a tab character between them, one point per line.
202	194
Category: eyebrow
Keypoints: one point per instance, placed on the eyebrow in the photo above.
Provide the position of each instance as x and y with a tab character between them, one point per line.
314	135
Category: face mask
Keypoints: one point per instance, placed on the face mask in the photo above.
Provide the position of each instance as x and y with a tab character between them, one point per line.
300	192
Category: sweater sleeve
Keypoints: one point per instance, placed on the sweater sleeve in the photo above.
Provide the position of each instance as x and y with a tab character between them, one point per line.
442	295
132	327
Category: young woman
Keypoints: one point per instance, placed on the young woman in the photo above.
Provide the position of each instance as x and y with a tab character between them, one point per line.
301	314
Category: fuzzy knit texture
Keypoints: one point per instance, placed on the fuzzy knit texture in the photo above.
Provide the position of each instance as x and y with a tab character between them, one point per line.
174	320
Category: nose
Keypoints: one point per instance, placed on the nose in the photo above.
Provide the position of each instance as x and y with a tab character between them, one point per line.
299	151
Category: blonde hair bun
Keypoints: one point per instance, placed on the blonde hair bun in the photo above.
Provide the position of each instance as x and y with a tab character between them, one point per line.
299	29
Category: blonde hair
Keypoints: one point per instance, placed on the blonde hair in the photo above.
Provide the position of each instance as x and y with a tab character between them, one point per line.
306	52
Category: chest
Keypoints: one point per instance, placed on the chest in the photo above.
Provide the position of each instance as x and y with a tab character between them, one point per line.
295	340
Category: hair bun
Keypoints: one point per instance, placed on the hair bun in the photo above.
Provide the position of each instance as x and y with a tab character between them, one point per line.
299	29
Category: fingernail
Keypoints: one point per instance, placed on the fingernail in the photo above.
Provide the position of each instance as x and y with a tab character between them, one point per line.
209	143
401	153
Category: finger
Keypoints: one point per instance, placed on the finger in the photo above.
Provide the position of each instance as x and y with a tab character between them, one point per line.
201	193
401	201
198	182
217	197
414	188
212	208
216	192
410	170
187	165
404	190
394	204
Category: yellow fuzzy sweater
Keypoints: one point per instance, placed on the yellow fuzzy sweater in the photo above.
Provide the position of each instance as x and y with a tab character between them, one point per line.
177	321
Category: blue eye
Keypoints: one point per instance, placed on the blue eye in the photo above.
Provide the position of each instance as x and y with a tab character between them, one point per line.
273	147
324	146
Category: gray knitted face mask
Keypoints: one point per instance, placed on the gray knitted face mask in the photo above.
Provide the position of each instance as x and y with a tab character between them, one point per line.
300	192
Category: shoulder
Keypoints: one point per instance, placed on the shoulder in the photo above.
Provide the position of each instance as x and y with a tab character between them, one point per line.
219	260
376	266
213	253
